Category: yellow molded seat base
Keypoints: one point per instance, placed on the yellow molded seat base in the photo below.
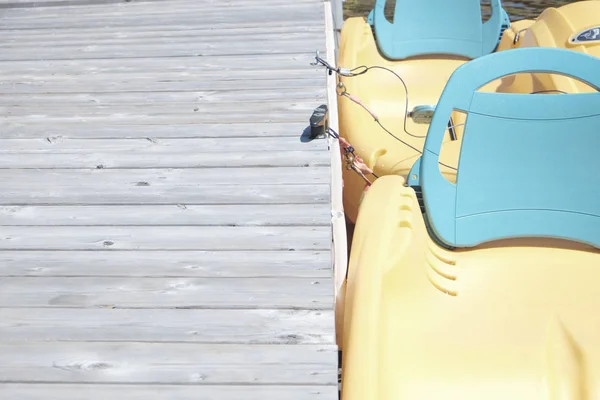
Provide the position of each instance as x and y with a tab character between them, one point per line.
515	319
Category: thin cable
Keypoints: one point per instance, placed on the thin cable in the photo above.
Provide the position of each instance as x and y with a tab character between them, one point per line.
396	137
364	69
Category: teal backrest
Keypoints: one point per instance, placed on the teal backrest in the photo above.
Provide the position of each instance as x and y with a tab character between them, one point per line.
426	27
529	164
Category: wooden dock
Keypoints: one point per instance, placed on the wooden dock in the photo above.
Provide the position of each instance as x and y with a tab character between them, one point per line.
165	227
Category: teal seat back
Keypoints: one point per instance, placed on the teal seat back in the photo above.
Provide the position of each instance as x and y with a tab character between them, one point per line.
529	164
437	27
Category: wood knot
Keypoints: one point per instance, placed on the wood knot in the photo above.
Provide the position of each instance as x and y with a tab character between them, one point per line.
198	377
84	366
290	338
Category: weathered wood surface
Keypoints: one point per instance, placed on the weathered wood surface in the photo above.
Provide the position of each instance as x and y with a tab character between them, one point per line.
110	130
197	193
166	392
195	326
165	228
155	293
166	363
165	238
190	214
167	264
166	153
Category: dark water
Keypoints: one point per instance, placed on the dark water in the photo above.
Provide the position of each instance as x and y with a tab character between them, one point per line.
516	9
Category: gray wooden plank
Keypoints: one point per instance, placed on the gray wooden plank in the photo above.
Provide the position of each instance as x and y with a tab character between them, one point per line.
167	293
188	160
162	153
165	392
167	264
65	36
50	78
103	179
112	8
205	98
161	21
108	130
46	5
173	39
198	111
182	48
153	84
190	118
250	10
192	215
150	113
40	5
165	160
175	24
227	64
157	326
248	193
164	12
198	98
222	27
198	114
145	23
61	145
175	46
182	81
165	238
180	51
221	12
182	363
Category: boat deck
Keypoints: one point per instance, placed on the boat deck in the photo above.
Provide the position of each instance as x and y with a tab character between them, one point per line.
165	227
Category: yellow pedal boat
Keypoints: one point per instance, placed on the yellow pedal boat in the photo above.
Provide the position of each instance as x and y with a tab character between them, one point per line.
486	286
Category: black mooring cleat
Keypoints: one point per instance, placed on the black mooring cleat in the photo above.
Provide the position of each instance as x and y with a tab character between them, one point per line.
319	121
